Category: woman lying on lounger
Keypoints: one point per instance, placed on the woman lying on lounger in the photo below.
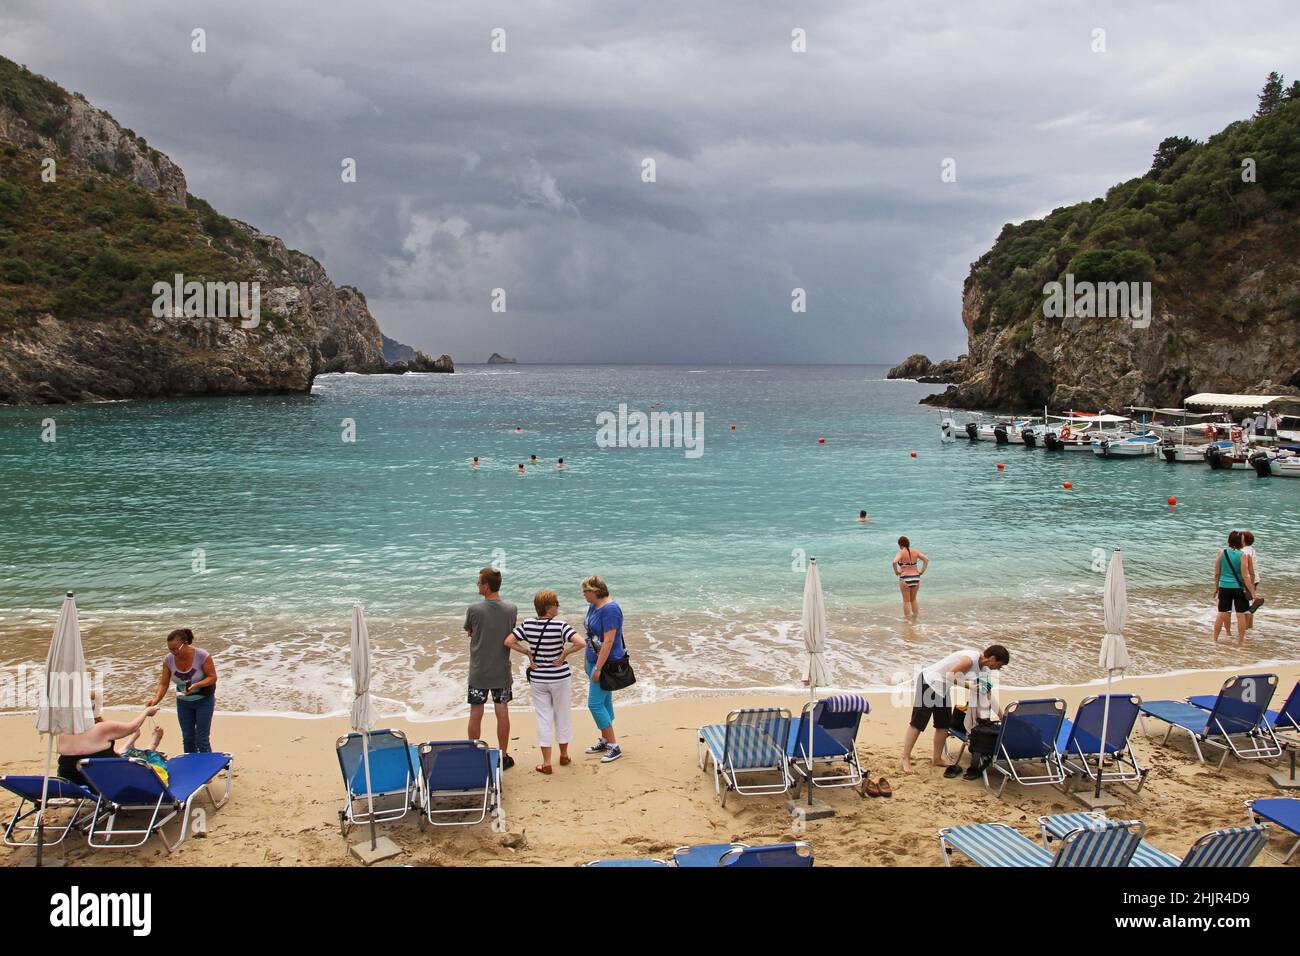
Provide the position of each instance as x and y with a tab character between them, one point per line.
97	741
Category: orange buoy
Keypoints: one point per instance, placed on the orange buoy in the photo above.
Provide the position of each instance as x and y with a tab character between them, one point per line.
1173	500
1001	466
1067	484
913	454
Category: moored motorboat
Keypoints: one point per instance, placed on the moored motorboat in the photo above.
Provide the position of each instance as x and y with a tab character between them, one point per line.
1125	446
1281	462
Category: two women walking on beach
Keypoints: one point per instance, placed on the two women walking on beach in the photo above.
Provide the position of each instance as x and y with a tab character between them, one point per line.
1234	586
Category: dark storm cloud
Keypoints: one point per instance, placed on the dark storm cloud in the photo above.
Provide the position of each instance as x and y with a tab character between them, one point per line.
521	170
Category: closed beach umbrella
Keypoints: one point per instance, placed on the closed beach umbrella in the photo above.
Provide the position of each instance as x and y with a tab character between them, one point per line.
1114	652
361	710
814	639
65	707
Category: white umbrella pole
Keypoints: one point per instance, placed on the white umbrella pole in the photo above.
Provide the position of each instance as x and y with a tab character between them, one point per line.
370	796
45	793
812	697
1105	721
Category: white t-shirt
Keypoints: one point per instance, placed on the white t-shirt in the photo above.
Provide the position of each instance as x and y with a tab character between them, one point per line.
1254	559
936	675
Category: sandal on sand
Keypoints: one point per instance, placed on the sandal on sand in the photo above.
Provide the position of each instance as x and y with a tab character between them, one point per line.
565	760
883	788
543	768
953	771
870	788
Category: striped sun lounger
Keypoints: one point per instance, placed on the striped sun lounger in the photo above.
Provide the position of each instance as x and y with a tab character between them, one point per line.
751	743
1108	843
835	722
1232	847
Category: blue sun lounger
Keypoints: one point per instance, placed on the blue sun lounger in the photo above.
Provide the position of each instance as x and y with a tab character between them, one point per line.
752	742
1097	842
1232	847
1080	740
1030	729
62	795
835	723
393	780
462	770
797	855
1283	721
127	785
1238	712
1283	811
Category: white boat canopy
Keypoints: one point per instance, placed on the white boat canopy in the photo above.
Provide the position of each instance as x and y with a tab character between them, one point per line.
1238	401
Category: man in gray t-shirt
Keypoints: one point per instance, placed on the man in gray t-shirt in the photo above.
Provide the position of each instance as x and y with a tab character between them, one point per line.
488	623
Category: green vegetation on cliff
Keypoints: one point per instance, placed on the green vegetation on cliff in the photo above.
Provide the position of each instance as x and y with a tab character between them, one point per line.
1175	226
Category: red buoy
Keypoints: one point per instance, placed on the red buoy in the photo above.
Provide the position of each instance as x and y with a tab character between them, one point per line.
1173	500
913	454
1001	466
1067	484
822	440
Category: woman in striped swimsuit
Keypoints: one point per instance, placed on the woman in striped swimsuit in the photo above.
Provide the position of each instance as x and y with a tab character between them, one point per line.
909	574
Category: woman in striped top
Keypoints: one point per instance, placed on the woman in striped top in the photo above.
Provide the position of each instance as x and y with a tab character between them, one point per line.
548	641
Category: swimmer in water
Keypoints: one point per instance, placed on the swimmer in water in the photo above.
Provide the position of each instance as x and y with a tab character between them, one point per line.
519	469
475	462
862	517
560	464
518	430
532	459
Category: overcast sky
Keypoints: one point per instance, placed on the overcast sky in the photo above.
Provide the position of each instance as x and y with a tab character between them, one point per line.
522	170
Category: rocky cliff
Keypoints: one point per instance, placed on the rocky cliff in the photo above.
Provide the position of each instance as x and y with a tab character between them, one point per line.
92	218
1214	228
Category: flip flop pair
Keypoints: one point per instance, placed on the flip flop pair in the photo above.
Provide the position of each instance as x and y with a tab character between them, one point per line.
877	788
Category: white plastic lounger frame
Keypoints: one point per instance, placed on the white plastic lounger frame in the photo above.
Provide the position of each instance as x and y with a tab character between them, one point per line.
15	824
106	811
742	733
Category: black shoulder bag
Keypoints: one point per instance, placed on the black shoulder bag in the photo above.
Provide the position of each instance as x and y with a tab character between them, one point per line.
617	674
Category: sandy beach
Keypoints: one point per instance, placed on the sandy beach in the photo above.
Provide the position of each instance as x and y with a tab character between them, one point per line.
287	792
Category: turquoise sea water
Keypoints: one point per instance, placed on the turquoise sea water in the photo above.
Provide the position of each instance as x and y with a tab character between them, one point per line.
253	521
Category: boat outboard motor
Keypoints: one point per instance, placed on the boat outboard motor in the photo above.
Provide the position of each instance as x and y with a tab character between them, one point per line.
1000	433
972	431
1027	434
1262	462
1105	447
1169	450
1052	442
1214	457
947	430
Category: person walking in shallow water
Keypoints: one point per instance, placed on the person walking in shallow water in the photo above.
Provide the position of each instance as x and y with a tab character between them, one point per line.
1233	587
909	564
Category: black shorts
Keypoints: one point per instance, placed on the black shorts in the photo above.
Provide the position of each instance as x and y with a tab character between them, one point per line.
1234	599
479	695
929	704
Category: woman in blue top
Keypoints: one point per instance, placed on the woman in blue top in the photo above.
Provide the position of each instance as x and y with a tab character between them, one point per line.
604	640
1234	585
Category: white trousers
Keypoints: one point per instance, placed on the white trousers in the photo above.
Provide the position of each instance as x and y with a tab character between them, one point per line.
551	700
